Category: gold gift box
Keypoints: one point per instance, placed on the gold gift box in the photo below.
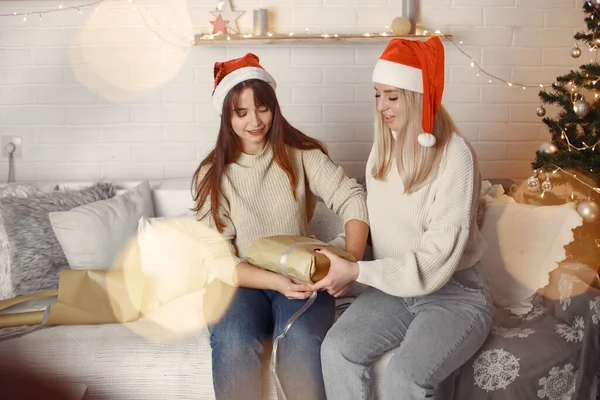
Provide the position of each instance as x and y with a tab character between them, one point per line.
293	256
84	297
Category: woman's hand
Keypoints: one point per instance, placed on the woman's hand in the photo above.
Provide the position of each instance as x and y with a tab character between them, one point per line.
292	290
340	292
341	275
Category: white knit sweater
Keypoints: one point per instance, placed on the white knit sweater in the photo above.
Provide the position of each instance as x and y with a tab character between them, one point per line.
258	202
421	239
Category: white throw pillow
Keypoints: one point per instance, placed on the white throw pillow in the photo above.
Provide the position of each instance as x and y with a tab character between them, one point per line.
524	244
172	202
93	235
177	255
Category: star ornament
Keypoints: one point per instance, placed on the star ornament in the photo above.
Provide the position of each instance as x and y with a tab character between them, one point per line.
219	25
225	11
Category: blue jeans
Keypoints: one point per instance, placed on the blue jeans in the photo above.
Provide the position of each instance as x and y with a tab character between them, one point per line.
237	342
434	335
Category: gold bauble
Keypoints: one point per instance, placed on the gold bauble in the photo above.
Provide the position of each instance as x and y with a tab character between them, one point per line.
401	26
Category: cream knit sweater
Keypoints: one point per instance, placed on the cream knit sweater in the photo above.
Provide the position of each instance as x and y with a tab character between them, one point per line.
257	200
421	239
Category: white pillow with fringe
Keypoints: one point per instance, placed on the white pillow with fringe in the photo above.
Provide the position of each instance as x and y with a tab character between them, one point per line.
525	243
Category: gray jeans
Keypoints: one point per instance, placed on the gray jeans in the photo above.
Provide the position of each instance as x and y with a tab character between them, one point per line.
435	334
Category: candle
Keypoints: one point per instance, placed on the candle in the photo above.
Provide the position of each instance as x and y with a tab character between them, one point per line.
261	22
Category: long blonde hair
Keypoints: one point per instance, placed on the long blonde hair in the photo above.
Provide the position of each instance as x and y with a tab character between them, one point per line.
416	164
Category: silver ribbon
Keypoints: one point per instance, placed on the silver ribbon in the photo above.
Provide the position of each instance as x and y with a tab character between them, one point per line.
309	302
282	263
286	254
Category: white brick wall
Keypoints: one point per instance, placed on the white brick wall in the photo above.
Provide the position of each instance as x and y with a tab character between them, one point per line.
93	95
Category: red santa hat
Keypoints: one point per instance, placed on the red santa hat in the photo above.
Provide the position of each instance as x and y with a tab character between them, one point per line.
230	73
417	66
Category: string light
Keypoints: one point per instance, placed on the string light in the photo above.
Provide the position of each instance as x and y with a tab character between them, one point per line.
272	35
565	137
473	63
169	36
491	77
175	41
148	19
51	10
559	169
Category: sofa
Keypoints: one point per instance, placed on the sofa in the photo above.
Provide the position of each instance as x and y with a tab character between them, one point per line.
545	342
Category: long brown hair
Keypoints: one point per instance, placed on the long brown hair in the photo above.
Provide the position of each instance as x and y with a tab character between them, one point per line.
228	149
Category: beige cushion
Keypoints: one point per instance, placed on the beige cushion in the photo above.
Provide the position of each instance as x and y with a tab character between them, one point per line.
525	243
92	235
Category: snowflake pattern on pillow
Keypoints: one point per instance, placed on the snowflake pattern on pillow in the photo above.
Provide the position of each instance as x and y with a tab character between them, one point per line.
559	384
510	333
565	289
495	369
514	362
572	333
537	311
595	307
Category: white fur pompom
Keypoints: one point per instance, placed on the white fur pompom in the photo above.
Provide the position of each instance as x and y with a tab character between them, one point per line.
426	139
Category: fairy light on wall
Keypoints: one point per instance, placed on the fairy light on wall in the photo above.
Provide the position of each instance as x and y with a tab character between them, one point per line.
370	35
131	47
166	34
491	77
25	14
170	36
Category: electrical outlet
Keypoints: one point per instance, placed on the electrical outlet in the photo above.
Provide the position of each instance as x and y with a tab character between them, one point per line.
11	139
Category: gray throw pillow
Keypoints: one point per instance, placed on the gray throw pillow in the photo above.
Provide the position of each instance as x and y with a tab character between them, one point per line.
31	255
93	235
19	190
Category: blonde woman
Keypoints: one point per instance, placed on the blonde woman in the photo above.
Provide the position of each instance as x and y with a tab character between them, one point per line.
427	294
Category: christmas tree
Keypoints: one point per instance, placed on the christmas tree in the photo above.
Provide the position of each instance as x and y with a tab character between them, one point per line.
567	167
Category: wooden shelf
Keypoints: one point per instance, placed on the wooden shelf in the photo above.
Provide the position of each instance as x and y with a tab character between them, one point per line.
240	40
